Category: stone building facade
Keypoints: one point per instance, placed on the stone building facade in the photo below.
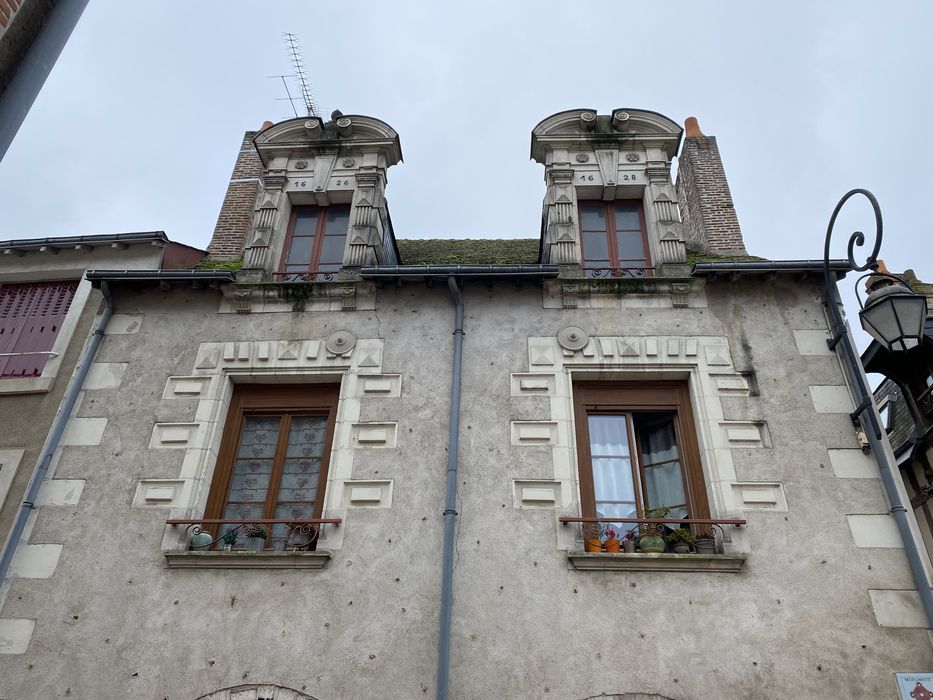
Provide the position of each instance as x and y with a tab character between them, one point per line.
637	369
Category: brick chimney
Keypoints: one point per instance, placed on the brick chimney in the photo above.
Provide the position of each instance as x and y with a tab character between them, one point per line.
236	213
706	205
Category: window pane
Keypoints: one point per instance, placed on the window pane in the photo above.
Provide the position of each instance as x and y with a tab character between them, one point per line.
332	249
595	246
260	436
338	220
306	436
612	469
627	217
660	460
305	221
300	251
592	216
631	246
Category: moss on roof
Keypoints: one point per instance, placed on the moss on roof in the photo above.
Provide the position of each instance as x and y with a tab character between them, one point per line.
922	288
479	251
208	264
693	258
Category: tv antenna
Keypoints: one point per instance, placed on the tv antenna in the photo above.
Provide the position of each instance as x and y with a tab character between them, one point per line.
301	75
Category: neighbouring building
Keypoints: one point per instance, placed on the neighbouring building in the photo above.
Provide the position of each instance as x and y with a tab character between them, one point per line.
261	485
905	399
46	312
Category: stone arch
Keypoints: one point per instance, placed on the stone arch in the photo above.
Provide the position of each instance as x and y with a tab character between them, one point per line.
256	691
630	696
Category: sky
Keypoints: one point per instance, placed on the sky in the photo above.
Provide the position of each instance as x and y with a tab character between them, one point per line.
138	125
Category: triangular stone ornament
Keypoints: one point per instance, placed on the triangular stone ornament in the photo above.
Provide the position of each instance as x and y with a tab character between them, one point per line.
563	199
370	358
717	355
541	355
629	347
364	202
288	350
208	359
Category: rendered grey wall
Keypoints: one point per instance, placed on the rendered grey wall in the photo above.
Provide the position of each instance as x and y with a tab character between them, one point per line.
113	621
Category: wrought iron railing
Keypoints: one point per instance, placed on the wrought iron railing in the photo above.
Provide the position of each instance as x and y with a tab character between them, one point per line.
617	272
300	534
304	276
594	529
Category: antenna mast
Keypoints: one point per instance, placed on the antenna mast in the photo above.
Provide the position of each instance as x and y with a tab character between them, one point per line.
294	52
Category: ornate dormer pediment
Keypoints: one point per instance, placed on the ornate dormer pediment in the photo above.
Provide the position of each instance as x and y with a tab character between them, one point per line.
312	136
610	202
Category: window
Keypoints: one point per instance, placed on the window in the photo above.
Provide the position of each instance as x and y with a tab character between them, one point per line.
637	450
273	457
614	238
315	241
30	318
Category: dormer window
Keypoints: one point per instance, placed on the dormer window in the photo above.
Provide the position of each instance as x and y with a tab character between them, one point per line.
315	242
614	239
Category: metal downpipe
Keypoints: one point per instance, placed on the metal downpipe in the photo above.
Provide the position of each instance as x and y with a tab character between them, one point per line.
450	511
54	437
37	63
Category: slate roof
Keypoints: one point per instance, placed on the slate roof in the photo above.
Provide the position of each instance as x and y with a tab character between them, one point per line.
475	251
900	424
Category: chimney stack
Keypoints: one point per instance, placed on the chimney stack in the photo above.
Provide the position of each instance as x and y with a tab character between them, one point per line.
236	213
706	202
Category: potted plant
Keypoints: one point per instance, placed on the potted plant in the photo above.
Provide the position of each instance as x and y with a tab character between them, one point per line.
680	540
256	535
651	539
611	542
706	545
628	542
230	537
591	541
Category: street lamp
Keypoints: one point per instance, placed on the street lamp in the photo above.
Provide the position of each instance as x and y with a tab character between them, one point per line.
894	316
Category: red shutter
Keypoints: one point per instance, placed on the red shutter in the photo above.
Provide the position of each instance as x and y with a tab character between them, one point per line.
30	316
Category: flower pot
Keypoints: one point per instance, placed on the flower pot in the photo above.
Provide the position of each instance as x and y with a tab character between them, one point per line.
651	543
612	545
201	542
255	544
706	546
592	545
628	546
681	548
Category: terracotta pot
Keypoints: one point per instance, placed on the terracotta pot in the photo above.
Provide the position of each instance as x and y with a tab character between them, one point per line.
592	545
612	545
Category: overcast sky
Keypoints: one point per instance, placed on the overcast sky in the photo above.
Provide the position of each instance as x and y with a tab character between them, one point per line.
138	126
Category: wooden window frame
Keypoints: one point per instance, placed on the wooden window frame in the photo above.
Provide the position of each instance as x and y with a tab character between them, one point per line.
609	213
319	235
272	399
594	398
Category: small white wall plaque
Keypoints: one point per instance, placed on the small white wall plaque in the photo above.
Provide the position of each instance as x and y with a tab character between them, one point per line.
915	686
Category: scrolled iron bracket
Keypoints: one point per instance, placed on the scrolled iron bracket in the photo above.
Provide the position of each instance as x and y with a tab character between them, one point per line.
857	239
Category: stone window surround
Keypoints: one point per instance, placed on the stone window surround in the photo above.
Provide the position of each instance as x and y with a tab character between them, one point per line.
702	367
43	383
193	484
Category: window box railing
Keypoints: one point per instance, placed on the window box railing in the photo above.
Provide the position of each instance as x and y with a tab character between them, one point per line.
598	556
297	535
304	276
633	528
617	272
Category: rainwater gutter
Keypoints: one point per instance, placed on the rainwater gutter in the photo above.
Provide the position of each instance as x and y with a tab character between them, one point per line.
451	273
65	408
